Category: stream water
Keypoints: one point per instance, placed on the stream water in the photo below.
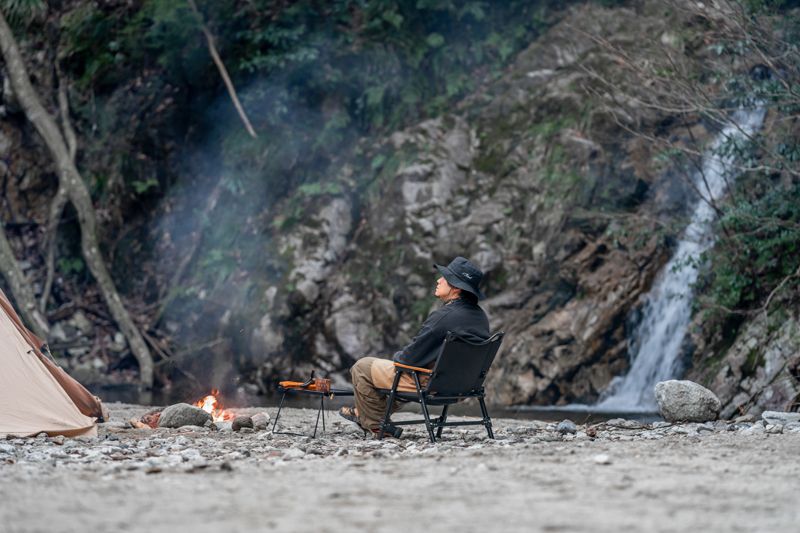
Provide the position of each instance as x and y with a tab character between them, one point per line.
655	344
580	415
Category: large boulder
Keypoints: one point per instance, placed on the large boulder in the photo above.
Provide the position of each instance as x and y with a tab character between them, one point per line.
183	414
686	401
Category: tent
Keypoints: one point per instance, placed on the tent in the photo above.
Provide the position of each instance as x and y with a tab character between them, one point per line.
36	395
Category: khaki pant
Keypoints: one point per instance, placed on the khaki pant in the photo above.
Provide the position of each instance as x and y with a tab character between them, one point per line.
370	373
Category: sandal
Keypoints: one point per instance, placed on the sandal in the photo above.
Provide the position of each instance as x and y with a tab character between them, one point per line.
389	430
349	413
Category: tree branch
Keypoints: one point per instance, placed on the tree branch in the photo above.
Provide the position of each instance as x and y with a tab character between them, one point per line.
212	49
21	289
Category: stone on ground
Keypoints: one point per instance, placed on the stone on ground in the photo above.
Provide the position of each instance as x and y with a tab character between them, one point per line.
686	401
779	418
567	427
182	414
260	421
241	422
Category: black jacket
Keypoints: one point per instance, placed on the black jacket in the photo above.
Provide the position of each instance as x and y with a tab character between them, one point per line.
459	316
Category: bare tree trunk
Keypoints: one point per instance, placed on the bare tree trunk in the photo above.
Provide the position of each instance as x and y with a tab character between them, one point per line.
78	195
56	208
60	199
20	289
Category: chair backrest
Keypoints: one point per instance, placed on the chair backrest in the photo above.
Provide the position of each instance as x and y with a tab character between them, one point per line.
462	365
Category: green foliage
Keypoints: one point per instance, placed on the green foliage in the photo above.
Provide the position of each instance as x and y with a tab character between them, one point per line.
142	186
317	189
71	265
758	247
421	307
22	11
314	77
83	28
767	6
758	236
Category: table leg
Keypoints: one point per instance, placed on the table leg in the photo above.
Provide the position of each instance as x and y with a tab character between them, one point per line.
277	416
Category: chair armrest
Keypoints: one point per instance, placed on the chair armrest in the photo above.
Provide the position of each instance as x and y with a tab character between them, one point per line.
405	368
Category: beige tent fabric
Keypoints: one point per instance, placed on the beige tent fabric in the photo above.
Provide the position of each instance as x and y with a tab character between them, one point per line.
31	398
87	403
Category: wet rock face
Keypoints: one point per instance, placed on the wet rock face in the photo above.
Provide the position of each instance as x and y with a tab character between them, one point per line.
759	371
499	180
686	401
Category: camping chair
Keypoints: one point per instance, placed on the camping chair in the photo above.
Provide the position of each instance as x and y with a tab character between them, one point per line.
459	373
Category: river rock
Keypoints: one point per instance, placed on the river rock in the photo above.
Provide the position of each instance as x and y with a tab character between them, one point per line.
601	459
241	422
686	401
182	414
260	421
567	427
779	418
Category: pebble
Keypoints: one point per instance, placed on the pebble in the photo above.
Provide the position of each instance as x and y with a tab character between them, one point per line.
260	421
242	422
194	449
567	427
602	459
755	429
8	449
293	453
774	429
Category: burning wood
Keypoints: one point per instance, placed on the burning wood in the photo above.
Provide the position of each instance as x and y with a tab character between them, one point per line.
211	405
148	420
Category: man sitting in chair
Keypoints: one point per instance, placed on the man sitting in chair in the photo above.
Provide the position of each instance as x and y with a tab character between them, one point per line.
458	289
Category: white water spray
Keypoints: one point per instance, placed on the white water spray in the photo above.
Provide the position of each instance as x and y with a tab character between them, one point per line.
655	345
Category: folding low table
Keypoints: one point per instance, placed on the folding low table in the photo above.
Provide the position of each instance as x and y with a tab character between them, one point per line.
330	394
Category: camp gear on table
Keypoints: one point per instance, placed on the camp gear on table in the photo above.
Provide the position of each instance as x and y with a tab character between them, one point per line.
459	373
311	387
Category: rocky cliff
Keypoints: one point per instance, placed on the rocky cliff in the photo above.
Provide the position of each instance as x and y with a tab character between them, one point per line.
536	180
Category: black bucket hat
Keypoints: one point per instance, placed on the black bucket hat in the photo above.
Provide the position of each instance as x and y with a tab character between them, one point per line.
461	273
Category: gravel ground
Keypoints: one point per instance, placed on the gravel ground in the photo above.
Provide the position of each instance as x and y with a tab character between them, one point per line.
620	475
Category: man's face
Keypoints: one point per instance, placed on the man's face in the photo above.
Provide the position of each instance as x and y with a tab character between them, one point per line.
443	289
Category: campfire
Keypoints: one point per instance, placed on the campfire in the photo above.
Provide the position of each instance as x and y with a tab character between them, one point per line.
211	405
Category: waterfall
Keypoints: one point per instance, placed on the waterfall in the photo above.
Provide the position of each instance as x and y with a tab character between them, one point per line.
655	345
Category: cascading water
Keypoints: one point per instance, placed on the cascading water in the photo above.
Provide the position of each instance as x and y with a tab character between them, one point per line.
655	344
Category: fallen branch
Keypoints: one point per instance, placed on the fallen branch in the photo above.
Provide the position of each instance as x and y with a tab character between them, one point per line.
212	49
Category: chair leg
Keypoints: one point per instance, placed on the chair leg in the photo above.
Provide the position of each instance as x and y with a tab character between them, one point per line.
441	421
389	403
425	412
277	416
486	420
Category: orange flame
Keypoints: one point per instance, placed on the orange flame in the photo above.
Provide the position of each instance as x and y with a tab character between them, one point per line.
211	405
